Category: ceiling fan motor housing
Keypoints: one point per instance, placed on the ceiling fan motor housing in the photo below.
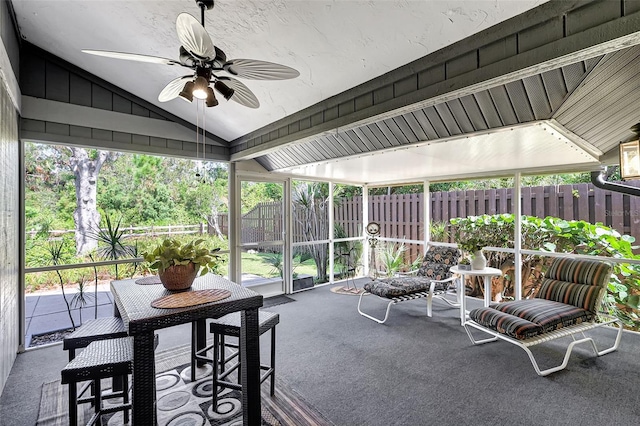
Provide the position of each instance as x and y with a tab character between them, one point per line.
205	3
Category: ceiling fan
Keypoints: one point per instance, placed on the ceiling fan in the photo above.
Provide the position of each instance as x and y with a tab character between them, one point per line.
207	61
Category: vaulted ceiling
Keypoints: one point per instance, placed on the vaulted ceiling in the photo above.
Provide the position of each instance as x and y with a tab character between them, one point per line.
389	91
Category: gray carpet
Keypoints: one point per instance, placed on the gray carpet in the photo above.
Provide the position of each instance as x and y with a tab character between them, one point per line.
413	370
416	370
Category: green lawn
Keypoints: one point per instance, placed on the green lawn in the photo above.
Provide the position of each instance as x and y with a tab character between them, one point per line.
258	264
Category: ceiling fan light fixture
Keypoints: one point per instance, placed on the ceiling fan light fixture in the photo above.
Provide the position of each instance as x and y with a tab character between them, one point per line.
226	91
200	87
187	91
211	100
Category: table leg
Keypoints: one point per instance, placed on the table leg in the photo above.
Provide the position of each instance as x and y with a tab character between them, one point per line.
250	373
487	290
462	300
143	400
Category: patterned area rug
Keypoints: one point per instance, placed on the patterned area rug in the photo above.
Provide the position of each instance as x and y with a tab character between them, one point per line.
182	402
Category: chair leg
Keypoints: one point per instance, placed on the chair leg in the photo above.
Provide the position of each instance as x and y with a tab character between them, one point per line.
273	361
430	299
97	400
216	365
73	404
371	317
125	396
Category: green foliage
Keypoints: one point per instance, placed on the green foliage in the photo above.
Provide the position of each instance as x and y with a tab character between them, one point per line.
111	244
56	253
348	254
82	298
172	252
275	260
473	233
439	231
391	256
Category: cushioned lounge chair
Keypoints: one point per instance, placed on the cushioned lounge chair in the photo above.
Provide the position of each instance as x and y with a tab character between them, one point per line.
433	279
566	305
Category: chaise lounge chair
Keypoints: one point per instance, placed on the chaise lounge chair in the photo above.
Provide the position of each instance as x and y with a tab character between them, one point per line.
433	279
567	304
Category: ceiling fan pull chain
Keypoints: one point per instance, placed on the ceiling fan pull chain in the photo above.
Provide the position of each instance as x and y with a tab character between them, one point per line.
204	135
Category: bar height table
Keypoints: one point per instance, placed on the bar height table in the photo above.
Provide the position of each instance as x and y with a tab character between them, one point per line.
486	273
133	304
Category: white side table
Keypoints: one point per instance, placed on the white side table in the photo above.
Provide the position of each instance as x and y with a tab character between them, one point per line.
486	273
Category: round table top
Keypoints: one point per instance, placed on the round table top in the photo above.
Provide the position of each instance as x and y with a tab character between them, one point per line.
481	272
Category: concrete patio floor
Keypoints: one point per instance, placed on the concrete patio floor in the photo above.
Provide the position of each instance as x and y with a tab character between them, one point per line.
46	311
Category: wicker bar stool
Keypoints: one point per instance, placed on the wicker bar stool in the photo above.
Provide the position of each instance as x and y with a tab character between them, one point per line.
92	330
229	325
101	359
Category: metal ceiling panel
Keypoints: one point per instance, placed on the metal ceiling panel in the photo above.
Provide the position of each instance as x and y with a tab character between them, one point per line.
537	95
503	105
365	132
473	112
488	108
377	131
556	87
314	149
425	124
573	75
406	130
520	101
346	147
460	115
448	119
606	104
331	147
436	122
393	132
416	128
355	144
493	153
334	145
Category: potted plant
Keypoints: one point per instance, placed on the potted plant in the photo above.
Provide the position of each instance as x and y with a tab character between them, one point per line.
470	235
178	264
464	264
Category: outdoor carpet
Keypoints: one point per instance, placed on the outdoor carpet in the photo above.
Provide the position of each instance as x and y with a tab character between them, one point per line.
185	403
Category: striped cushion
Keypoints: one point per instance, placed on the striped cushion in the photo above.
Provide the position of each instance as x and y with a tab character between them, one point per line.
578	282
528	318
504	323
582	296
580	271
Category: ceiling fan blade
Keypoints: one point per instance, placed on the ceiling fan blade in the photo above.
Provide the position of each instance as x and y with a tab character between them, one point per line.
194	38
259	70
242	94
173	89
132	57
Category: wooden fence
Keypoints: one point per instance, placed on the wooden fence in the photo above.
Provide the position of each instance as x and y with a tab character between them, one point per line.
138	231
401	215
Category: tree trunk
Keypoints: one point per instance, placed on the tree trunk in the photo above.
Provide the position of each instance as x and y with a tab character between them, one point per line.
86	216
212	219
